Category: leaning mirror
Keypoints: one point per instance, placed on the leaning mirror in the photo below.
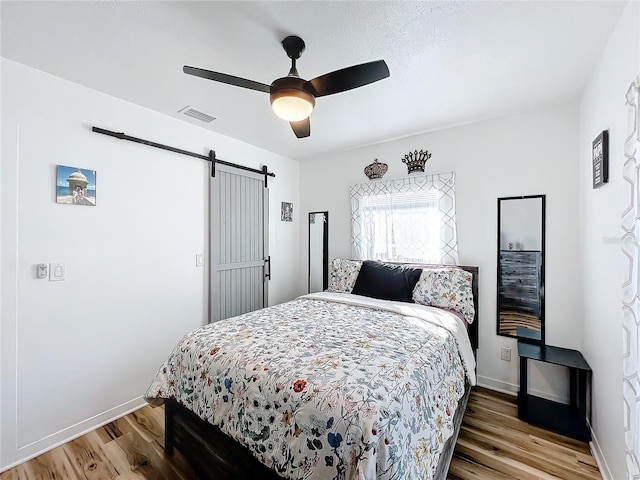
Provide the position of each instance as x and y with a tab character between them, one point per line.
521	232
318	251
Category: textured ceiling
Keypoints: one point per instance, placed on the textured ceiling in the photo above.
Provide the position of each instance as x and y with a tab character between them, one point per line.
450	62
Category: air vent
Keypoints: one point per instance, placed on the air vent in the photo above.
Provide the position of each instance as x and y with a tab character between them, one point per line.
197	114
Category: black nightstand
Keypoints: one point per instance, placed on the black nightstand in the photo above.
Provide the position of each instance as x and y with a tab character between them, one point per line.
570	420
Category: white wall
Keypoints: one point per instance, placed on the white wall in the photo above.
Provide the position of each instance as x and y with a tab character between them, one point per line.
603	108
78	353
533	153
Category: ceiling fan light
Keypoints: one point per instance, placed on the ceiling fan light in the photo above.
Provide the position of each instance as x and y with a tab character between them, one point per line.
292	105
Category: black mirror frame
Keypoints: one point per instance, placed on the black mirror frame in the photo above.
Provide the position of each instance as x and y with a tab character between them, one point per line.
526	339
325	251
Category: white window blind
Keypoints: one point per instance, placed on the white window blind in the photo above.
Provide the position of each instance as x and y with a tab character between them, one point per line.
409	220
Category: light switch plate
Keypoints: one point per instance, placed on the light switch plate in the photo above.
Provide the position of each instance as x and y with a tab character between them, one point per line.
57	272
199	259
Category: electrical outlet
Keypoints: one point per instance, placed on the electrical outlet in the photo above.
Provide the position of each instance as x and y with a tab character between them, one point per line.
505	354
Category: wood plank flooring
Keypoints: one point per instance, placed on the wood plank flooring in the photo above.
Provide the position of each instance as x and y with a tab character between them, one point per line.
493	445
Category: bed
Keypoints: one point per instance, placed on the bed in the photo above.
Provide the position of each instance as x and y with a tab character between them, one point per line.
333	385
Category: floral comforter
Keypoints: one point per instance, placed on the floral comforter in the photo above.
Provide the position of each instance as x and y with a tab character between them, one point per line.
328	386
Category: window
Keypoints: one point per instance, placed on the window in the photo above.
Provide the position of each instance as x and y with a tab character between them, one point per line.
407	220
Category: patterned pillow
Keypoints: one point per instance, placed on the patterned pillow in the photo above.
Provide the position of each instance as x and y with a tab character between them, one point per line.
446	287
343	275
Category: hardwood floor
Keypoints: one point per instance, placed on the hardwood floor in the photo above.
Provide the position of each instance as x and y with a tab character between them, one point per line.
493	445
129	448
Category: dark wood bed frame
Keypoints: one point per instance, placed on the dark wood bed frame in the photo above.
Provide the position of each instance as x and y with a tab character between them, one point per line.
216	456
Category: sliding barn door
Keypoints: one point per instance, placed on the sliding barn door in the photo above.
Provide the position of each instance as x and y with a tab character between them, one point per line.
239	242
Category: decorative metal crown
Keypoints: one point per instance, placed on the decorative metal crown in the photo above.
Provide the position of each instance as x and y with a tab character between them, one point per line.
416	160
376	169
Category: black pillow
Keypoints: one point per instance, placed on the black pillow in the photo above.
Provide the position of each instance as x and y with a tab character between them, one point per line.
386	282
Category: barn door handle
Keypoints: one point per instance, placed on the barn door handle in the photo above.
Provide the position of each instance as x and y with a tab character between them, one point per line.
267	267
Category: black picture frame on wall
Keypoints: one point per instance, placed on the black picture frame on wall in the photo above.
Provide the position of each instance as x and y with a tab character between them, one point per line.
600	158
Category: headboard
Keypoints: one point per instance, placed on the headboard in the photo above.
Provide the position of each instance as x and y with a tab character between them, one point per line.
473	328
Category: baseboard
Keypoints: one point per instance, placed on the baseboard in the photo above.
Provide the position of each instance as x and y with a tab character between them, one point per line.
549	396
497	385
511	389
33	449
598	456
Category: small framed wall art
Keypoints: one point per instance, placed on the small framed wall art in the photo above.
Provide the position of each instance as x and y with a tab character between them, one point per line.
286	214
75	186
600	159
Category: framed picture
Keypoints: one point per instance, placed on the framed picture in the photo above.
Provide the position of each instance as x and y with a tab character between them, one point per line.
287	212
600	159
75	186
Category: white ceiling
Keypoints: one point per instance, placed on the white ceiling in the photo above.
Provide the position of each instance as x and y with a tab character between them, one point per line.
450	62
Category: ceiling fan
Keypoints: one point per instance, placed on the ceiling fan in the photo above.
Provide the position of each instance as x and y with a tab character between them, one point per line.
292	97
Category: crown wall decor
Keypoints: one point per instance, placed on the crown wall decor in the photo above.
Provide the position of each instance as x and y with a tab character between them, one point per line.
376	170
416	160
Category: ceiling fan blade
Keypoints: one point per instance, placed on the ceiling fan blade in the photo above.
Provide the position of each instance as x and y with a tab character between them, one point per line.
228	79
302	128
349	78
